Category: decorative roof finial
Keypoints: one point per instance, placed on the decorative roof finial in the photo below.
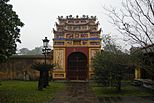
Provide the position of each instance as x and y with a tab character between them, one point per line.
83	16
87	16
70	16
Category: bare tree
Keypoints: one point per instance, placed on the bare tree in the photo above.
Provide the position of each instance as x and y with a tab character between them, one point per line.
135	20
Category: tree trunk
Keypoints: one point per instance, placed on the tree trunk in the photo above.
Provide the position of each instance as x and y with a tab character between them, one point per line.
119	85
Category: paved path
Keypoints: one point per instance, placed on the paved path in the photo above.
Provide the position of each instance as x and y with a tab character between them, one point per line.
76	93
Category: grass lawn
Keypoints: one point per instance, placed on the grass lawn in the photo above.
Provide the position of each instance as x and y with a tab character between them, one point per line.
127	90
26	92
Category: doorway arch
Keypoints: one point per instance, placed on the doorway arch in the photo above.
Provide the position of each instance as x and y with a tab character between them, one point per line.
77	66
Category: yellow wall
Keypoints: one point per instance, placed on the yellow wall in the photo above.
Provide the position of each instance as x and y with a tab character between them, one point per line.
138	72
92	53
59	61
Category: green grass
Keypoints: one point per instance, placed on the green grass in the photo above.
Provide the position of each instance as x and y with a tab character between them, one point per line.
26	92
127	90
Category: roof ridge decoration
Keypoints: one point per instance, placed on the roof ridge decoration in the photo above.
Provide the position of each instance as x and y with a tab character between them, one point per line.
77	17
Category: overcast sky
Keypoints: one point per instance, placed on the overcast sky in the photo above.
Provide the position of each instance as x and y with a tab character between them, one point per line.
39	16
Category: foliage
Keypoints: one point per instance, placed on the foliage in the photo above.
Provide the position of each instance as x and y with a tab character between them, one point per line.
144	60
101	75
135	20
136	56
9	30
44	74
26	92
110	65
109	68
23	51
35	51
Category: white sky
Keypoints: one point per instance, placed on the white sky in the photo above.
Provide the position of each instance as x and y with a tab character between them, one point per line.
39	16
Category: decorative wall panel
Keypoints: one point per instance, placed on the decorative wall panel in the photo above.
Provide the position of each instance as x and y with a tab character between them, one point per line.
59	59
92	53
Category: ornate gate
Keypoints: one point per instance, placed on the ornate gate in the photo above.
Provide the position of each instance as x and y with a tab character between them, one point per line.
77	66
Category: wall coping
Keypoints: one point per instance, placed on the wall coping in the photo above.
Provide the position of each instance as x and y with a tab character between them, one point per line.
30	57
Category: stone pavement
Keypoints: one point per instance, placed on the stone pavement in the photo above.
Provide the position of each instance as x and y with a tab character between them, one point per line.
81	92
76	92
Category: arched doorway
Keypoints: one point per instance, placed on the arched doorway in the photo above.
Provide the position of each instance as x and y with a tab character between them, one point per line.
77	66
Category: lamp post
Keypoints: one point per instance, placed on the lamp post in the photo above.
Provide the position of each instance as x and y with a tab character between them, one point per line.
45	48
46	51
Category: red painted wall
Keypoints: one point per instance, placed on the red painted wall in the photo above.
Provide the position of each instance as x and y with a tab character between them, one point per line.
69	50
83	50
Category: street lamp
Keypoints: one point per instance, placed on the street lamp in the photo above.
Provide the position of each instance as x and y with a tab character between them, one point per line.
45	42
46	51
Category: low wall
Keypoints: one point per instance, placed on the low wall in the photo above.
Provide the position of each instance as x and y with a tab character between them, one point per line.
19	67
